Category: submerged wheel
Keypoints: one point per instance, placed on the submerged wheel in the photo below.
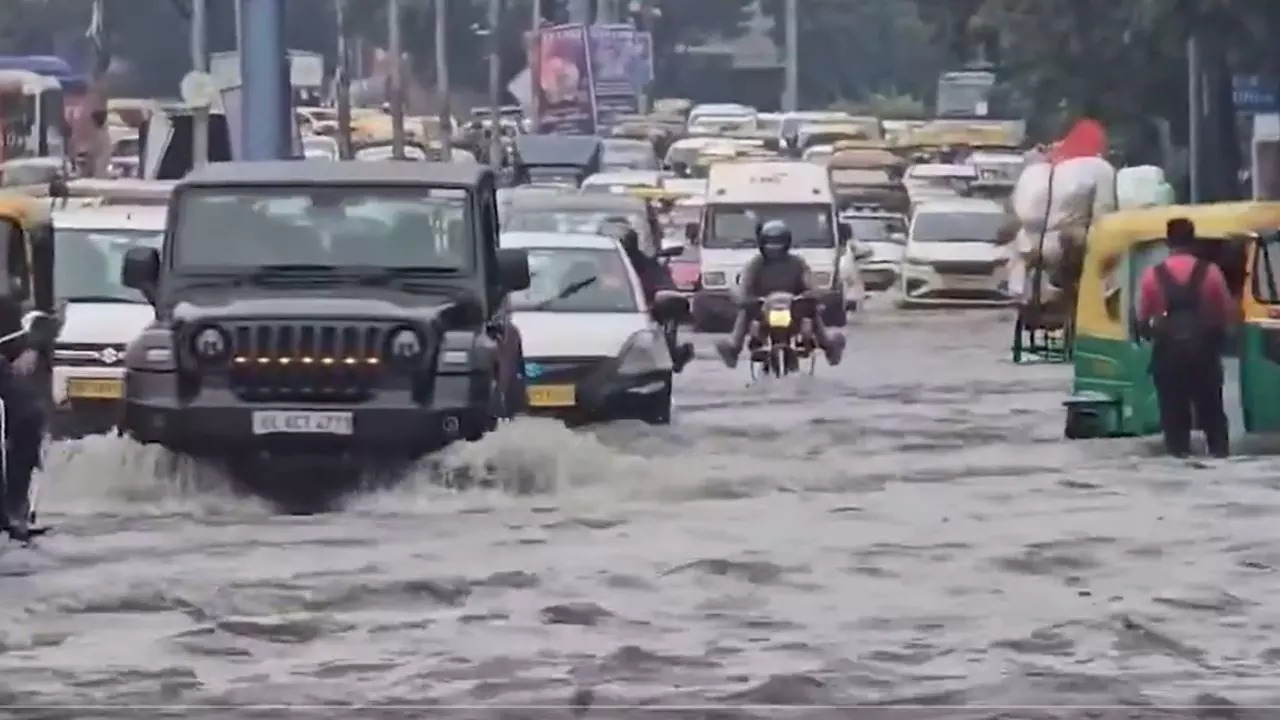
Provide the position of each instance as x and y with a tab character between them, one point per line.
658	411
1076	426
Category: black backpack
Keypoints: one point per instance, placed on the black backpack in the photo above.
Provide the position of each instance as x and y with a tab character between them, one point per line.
1182	331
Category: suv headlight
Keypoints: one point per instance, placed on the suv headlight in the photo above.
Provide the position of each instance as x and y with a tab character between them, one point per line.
210	346
152	350
644	352
405	347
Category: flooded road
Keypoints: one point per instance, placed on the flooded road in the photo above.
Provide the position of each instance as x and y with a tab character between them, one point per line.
908	528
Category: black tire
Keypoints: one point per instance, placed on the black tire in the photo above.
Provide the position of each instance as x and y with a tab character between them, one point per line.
1074	428
658	410
835	315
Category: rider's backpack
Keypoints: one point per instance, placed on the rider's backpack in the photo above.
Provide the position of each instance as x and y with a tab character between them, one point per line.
1182	332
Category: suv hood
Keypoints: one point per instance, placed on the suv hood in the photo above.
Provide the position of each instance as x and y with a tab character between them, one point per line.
954	251
296	306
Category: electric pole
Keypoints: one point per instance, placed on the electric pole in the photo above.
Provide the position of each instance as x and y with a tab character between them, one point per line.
442	81
396	80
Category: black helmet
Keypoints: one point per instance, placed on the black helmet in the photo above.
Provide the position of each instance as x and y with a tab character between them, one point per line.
773	238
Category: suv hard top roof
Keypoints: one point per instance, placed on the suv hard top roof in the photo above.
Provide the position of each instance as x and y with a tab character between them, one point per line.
293	172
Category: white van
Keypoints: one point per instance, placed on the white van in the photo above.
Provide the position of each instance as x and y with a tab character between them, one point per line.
101	316
952	256
741	196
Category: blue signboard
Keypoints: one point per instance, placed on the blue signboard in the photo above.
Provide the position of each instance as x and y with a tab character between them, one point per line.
1254	94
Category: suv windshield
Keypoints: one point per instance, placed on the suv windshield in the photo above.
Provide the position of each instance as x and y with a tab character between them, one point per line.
576	280
90	261
567	221
335	226
957	226
879	229
734	226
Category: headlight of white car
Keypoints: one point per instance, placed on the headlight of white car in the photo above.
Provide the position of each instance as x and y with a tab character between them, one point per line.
822	279
643	353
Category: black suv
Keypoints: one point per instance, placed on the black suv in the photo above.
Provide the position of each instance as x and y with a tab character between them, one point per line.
325	310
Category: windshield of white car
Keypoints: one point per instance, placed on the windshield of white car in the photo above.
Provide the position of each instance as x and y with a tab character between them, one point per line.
734	226
385	227
90	261
879	229
576	280
957	226
565	221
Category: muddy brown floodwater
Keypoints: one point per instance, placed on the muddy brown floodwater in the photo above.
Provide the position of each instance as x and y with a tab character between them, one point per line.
908	528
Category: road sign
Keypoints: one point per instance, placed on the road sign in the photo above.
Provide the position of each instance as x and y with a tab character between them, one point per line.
1255	94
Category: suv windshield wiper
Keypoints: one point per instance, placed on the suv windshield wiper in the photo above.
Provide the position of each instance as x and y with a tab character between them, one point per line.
567	292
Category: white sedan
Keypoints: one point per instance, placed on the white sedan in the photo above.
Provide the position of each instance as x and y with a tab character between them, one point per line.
593	349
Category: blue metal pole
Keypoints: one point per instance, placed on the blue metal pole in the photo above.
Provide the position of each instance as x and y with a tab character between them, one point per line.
263	85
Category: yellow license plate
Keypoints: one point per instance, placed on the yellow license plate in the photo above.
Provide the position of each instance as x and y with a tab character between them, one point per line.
91	389
780	318
553	396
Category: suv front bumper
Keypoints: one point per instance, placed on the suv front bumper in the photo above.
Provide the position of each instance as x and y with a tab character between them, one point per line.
390	426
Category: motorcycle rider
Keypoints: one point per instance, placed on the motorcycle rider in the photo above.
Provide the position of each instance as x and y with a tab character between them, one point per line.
24	421
774	269
653	276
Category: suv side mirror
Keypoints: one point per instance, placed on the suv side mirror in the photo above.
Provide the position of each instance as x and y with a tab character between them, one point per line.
513	269
670	306
141	270
691	231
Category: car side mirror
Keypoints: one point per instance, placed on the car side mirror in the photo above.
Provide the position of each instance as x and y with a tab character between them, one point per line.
141	270
845	232
513	269
691	231
670	306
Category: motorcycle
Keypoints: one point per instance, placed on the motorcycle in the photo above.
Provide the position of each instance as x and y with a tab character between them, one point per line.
29	322
782	335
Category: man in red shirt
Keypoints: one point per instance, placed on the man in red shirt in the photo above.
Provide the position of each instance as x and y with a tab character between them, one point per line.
1185	307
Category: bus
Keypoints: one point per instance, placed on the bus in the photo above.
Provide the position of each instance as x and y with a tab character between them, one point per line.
969	93
34	94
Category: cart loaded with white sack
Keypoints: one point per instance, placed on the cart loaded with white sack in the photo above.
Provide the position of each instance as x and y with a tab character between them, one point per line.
1053	207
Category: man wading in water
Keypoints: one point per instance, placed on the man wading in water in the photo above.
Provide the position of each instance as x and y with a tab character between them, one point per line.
1186	308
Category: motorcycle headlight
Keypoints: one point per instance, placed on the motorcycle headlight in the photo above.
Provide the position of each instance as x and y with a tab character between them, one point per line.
714	279
643	353
405	347
211	346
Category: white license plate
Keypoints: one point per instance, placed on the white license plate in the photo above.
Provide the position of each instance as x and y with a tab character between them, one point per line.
278	422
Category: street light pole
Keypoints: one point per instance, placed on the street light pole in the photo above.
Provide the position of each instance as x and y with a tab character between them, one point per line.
396	78
199	63
342	83
535	65
495	92
791	97
442	81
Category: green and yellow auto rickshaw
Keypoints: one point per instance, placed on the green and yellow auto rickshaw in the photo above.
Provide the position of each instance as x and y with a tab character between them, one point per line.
26	227
1260	337
1112	394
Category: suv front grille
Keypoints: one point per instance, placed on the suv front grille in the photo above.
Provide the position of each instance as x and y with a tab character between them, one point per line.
306	362
964	267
